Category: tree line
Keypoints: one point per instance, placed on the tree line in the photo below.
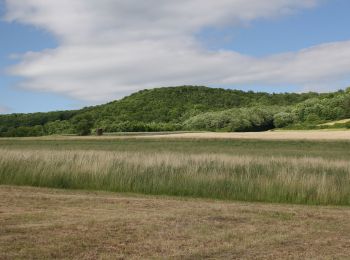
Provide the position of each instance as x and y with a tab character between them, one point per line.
187	108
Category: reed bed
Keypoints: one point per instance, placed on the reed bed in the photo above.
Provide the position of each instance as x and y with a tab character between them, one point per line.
282	179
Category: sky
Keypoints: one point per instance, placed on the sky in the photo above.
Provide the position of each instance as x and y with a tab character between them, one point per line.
57	55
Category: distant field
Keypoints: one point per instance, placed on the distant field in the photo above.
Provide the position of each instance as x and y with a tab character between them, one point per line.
299	171
270	135
47	223
319	135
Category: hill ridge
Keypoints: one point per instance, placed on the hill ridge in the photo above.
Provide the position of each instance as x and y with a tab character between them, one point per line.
185	108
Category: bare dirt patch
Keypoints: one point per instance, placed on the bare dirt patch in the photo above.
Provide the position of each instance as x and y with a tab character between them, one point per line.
46	223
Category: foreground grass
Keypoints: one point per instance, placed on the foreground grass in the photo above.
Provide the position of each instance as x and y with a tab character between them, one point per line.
267	171
46	224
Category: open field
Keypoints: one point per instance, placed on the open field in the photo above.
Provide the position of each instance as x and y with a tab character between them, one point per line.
269	135
327	134
81	220
316	135
302	172
47	223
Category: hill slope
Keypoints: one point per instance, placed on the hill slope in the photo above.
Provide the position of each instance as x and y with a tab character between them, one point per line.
173	104
185	107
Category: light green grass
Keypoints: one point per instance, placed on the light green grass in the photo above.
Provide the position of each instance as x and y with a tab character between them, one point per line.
343	121
268	171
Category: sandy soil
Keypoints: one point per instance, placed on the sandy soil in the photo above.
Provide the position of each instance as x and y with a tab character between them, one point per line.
45	224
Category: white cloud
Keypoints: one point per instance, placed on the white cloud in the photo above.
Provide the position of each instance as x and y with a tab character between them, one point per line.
109	48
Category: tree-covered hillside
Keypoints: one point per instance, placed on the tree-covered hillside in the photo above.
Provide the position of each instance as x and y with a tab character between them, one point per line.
176	103
187	108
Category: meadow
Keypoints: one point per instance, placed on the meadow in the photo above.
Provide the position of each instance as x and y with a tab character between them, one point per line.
39	223
279	171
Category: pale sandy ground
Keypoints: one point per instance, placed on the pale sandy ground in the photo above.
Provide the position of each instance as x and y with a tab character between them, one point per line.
46	224
270	135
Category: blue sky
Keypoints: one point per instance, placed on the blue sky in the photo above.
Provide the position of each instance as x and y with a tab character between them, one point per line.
18	38
256	38
326	23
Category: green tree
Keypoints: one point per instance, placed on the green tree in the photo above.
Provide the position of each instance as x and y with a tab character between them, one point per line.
82	124
283	119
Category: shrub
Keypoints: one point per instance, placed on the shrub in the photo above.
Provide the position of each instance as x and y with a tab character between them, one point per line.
347	125
235	120
283	119
82	124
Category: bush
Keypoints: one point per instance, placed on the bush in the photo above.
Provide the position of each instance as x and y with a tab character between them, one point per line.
347	125
283	119
235	120
59	127
82	124
140	127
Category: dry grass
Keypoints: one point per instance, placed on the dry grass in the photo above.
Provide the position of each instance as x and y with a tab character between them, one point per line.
270	135
315	135
45	224
221	176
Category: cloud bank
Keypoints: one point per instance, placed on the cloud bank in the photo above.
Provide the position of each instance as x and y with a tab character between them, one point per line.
110	48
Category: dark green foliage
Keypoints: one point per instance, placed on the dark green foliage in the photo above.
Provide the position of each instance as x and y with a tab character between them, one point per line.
59	127
187	107
17	125
176	104
23	131
141	127
82	124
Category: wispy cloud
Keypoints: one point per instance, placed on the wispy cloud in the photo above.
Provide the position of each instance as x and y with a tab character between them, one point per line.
4	109
109	48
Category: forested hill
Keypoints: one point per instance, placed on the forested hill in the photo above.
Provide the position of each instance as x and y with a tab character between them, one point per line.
174	104
185	108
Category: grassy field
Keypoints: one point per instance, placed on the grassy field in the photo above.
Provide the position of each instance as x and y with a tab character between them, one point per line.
282	171
343	121
47	223
335	134
101	210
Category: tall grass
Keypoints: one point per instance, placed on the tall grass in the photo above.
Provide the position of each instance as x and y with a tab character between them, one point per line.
303	180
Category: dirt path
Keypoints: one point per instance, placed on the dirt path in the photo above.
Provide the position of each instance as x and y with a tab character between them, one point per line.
44	223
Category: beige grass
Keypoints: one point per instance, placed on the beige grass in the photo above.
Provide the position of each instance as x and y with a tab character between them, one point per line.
269	135
101	161
308	180
46	224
